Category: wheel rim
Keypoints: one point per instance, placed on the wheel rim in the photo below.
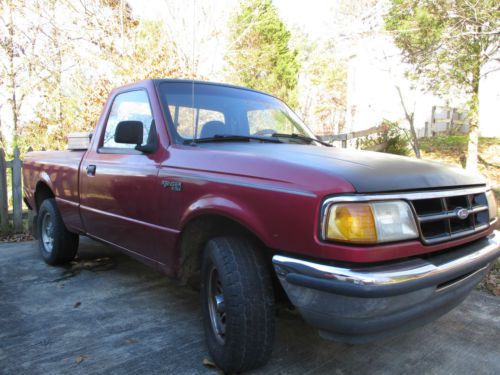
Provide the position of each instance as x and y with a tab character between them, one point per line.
48	233
216	305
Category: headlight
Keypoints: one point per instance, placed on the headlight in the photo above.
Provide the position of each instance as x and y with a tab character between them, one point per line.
373	222
492	204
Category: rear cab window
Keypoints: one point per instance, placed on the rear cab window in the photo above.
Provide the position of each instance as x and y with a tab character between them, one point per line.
182	118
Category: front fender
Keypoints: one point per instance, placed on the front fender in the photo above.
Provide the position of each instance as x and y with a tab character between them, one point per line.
231	209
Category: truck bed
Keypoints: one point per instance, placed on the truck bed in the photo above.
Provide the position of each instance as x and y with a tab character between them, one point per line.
59	171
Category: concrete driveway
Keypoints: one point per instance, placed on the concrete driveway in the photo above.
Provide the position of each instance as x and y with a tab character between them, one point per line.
108	314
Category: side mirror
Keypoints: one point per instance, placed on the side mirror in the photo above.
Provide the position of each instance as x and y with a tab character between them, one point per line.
130	132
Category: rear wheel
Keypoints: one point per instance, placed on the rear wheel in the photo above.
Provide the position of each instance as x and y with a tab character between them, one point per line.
238	304
57	245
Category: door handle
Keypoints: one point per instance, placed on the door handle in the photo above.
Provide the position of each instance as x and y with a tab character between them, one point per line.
91	170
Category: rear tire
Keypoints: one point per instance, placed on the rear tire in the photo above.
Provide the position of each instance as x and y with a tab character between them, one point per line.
238	304
57	245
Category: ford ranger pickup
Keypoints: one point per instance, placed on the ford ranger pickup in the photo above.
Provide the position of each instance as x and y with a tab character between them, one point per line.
226	187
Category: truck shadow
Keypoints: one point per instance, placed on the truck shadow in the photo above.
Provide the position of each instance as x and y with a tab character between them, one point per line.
100	264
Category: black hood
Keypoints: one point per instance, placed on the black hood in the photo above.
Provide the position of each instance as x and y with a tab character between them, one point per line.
371	172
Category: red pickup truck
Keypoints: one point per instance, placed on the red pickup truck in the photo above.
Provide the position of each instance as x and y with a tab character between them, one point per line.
225	186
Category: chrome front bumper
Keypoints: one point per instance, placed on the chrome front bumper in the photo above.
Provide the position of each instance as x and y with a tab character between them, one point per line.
358	304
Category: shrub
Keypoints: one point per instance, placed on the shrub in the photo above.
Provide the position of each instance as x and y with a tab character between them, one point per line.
391	139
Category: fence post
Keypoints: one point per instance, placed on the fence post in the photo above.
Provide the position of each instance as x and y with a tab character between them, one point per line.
4	204
449	121
433	120
452	120
17	193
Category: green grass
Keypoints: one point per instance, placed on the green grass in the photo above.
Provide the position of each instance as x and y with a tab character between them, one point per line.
453	143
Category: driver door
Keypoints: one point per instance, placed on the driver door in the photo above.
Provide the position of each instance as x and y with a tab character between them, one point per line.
119	186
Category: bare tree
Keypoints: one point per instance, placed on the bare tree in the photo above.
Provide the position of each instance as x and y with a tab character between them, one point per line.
8	44
410	116
18	60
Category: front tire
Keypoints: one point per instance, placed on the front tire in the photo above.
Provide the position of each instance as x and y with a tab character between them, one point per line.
57	245
238	304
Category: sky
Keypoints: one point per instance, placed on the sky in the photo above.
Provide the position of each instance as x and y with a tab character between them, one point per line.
311	16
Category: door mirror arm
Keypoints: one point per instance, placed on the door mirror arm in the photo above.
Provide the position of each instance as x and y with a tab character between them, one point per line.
147	149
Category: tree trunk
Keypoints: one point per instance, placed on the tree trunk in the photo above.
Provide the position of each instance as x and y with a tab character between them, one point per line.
11	75
410	118
472	147
57	75
414	143
2	141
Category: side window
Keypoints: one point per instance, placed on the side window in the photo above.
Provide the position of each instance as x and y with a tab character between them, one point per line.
132	105
262	119
183	119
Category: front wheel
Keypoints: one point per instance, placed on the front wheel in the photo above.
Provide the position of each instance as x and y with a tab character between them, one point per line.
57	245
238	304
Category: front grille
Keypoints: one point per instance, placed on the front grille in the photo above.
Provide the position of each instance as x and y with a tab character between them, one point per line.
444	218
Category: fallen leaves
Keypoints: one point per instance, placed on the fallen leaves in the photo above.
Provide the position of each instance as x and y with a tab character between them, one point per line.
492	280
208	363
81	358
489	151
17	237
79	265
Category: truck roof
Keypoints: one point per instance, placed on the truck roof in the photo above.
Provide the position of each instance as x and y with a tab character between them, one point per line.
157	81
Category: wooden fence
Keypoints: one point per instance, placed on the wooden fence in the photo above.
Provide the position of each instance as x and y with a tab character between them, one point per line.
446	120
343	138
17	193
443	119
357	134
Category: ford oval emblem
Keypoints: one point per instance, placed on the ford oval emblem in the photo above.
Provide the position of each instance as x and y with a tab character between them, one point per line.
462	213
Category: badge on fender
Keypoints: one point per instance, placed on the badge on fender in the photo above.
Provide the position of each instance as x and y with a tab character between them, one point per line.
173	185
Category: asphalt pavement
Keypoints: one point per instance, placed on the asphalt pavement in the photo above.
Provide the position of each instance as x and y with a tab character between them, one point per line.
109	314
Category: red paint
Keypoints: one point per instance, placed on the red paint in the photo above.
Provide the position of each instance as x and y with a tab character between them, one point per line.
125	204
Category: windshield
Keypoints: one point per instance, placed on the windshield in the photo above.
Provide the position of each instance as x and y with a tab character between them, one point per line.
217	111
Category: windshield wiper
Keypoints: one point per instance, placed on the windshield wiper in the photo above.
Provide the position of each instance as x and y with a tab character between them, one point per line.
231	138
301	137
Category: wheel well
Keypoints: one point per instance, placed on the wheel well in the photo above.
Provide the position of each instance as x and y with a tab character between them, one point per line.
194	237
42	192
